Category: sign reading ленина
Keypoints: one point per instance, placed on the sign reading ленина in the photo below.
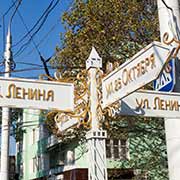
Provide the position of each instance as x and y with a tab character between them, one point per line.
36	94
141	69
151	104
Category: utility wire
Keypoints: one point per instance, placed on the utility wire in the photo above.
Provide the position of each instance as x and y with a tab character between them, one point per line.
30	64
39	68
16	9
28	31
167	6
43	38
44	61
3	23
48	33
25	45
38	21
7	11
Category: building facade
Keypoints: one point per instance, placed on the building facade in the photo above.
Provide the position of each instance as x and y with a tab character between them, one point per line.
42	156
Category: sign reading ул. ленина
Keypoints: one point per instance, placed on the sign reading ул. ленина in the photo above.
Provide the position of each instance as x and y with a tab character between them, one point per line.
151	104
36	94
140	70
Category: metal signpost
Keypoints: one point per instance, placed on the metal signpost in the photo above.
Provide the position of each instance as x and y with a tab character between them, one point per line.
140	70
36	94
151	104
96	137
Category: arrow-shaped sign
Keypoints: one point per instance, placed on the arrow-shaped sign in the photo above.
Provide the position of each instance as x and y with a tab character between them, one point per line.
140	70
151	104
36	94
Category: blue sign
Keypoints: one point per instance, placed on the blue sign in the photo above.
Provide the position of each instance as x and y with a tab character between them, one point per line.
166	79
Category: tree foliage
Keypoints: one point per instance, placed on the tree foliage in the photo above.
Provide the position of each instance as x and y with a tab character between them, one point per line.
117	29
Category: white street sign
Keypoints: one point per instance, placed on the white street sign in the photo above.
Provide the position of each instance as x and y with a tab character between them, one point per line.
67	123
140	70
36	94
151	104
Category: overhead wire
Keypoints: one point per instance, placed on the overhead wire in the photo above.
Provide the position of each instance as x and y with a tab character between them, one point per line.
48	33
36	46
43	38
16	9
3	23
34	26
25	45
7	11
28	31
39	68
44	61
30	64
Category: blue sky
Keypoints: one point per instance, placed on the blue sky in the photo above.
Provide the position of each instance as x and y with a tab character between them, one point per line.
31	10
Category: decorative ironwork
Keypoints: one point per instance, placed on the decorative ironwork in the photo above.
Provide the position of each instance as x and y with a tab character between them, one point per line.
168	41
81	111
108	111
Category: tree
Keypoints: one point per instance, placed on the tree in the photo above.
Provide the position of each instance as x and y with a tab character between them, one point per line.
118	30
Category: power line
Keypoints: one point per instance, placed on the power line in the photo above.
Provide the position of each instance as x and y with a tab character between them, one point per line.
7	11
44	38
16	9
39	68
25	45
48	33
44	13
44	61
30	64
3	23
28	31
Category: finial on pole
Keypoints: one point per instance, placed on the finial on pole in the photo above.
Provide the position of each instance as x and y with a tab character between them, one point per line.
94	60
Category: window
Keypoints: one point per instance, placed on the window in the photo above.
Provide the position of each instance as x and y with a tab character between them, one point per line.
34	135
36	163
43	131
117	148
108	149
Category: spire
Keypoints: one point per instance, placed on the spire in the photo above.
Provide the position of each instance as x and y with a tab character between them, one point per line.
94	60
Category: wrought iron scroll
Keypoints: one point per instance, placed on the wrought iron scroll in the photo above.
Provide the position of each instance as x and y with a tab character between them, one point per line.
81	111
168	41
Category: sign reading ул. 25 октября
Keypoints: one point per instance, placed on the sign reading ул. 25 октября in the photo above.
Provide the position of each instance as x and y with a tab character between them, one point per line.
141	69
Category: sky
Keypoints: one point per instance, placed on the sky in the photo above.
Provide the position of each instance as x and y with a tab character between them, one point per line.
48	36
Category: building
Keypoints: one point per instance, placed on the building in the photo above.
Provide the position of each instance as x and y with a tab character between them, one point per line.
42	156
12	168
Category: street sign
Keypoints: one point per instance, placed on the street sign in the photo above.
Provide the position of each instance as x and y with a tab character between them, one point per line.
140	70
36	94
151	104
67	123
166	79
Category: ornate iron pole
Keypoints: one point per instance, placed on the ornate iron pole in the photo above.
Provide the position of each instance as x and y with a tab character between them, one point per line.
96	137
